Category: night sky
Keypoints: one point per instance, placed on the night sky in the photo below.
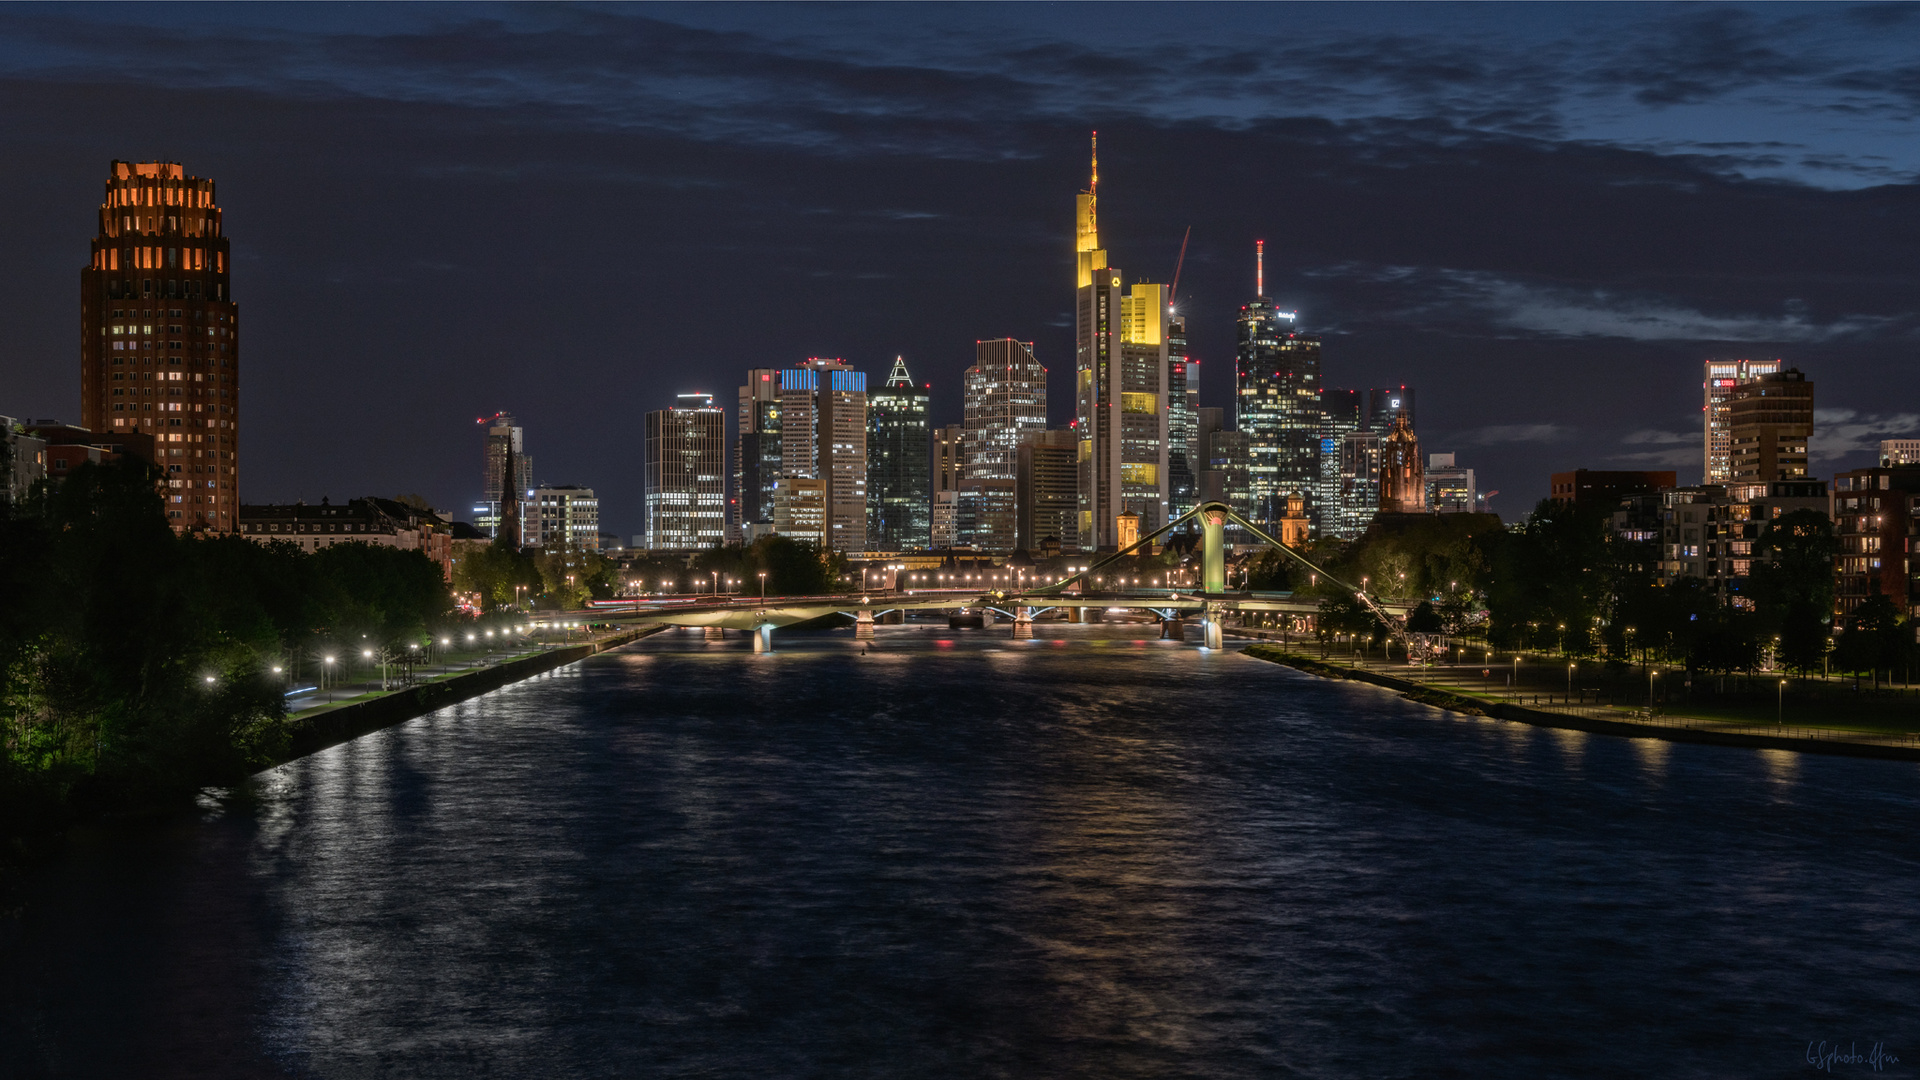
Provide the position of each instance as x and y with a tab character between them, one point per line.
1542	218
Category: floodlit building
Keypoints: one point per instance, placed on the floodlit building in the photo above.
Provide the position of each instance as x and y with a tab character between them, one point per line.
160	336
899	484
1722	378
1403	484
686	478
1120	388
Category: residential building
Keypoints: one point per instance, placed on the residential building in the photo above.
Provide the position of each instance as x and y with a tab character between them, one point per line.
566	515
160	336
1277	402
1403	484
506	475
1897	452
1769	422
1046	492
65	447
899	483
1876	517
756	454
685	459
24	463
1005	397
1450	488
376	521
1723	377
1120	388
1708	532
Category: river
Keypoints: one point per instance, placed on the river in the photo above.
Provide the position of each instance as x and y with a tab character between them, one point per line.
960	855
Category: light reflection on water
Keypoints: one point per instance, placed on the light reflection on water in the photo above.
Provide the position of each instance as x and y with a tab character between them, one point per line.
1112	857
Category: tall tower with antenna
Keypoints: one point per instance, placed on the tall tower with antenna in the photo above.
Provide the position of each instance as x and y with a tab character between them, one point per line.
1120	386
1277	402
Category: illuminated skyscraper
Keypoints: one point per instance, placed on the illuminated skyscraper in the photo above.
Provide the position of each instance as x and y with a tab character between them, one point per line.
1277	401
1722	378
686	470
160	337
899	485
823	439
1006	398
1120	388
1184	462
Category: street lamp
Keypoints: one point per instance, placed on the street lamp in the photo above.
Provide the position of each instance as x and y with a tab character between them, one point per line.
763	586
1780	704
327	676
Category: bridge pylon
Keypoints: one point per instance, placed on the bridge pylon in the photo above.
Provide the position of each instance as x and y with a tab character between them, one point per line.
863	625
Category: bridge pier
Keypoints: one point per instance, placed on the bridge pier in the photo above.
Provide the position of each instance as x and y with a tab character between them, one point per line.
1173	630
715	633
1213	557
863	625
763	638
1022	623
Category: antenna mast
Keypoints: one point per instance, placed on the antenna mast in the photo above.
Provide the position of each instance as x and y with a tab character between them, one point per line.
1259	268
1174	289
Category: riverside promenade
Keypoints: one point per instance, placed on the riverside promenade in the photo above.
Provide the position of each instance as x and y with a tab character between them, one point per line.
320	724
1454	687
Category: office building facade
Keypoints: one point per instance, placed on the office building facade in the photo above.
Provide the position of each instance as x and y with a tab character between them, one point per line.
823	437
1277	405
565	516
1120	388
1723	377
1183	397
160	337
1005	398
686	480
756	454
1047	492
899	480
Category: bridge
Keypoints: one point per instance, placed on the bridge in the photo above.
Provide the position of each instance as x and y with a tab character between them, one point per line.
761	616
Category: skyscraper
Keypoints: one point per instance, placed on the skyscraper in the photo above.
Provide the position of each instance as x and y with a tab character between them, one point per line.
1277	398
1384	405
1006	397
949	457
823	437
686	481
756	454
160	337
1046	492
1183	396
500	497
1120	388
1722	377
899	484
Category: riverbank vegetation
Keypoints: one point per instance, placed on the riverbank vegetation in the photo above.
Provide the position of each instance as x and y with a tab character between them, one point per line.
137	666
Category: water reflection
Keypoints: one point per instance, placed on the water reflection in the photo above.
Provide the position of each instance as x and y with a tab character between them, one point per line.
1111	857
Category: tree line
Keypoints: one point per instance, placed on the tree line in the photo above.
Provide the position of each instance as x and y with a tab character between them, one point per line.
136	666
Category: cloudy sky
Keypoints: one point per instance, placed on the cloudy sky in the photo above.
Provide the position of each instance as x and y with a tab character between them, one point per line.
1541	217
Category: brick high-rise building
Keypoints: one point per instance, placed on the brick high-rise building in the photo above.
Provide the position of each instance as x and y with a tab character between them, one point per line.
160	337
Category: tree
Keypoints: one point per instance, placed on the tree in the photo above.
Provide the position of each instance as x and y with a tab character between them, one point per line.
1792	585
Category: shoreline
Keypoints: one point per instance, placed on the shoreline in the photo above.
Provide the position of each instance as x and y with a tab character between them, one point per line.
1502	710
343	723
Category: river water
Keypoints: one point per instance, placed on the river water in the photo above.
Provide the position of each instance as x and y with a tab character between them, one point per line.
960	855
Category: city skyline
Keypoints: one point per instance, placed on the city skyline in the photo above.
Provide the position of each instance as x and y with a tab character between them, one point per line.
1410	278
